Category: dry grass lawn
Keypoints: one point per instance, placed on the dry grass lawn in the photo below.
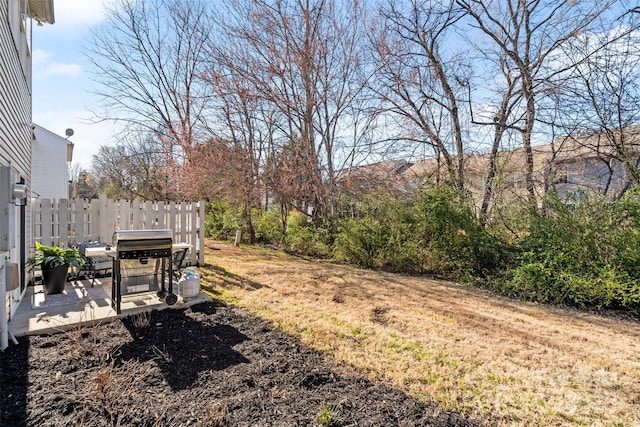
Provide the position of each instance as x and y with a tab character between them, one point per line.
498	361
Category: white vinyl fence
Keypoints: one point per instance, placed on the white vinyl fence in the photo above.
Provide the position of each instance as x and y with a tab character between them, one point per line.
66	222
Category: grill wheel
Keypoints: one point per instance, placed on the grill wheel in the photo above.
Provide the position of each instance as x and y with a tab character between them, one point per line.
171	299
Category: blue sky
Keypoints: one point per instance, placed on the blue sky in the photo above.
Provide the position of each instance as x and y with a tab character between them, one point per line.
62	85
61	82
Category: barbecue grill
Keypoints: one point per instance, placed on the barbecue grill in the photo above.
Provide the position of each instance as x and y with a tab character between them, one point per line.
142	263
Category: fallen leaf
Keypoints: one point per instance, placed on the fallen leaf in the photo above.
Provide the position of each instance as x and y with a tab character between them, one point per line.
102	378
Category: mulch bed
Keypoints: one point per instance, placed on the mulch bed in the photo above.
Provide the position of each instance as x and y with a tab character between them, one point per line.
207	365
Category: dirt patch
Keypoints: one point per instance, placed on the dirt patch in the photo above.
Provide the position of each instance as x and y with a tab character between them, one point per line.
208	365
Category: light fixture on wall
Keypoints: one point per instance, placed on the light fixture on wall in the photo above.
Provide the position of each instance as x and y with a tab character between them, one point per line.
19	193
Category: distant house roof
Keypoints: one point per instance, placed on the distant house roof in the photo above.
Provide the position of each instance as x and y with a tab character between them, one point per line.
380	169
568	148
401	176
388	174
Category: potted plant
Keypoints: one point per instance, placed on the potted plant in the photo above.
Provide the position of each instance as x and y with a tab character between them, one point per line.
54	261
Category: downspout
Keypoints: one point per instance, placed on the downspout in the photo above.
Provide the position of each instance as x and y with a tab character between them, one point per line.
23	241
4	324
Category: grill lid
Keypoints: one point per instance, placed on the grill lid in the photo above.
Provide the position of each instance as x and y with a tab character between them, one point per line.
125	235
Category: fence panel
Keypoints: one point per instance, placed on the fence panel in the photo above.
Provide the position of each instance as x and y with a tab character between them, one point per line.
124	218
66	222
148	214
137	217
172	215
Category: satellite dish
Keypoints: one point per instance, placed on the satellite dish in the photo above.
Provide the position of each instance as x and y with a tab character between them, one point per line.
69	132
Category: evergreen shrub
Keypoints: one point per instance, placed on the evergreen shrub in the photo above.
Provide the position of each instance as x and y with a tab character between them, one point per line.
268	226
304	237
435	234
583	252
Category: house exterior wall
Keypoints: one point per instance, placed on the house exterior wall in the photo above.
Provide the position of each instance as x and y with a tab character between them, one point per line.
15	121
586	163
15	90
50	172
591	176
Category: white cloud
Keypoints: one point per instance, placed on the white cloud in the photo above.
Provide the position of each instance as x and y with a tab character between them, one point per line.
59	69
89	12
73	17
44	67
40	56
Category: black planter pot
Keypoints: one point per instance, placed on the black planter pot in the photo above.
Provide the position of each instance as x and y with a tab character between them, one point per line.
54	279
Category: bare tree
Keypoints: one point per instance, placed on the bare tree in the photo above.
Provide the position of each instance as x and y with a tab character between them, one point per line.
302	60
420	77
146	60
600	104
501	125
84	185
135	170
242	125
527	35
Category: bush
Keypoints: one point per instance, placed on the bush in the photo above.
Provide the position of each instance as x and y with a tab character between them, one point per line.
302	236
359	241
268	226
435	234
455	237
221	220
213	220
583	253
383	235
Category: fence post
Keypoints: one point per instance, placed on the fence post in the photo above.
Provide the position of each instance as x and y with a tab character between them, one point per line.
201	233
63	222
78	220
193	234
104	218
149	220
172	216
95	220
137	214
36	220
160	215
47	221
123	215
183	221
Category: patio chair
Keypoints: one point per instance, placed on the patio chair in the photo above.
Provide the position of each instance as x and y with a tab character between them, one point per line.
178	262
94	264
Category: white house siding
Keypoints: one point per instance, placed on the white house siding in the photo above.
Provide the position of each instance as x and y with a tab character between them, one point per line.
15	116
49	170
